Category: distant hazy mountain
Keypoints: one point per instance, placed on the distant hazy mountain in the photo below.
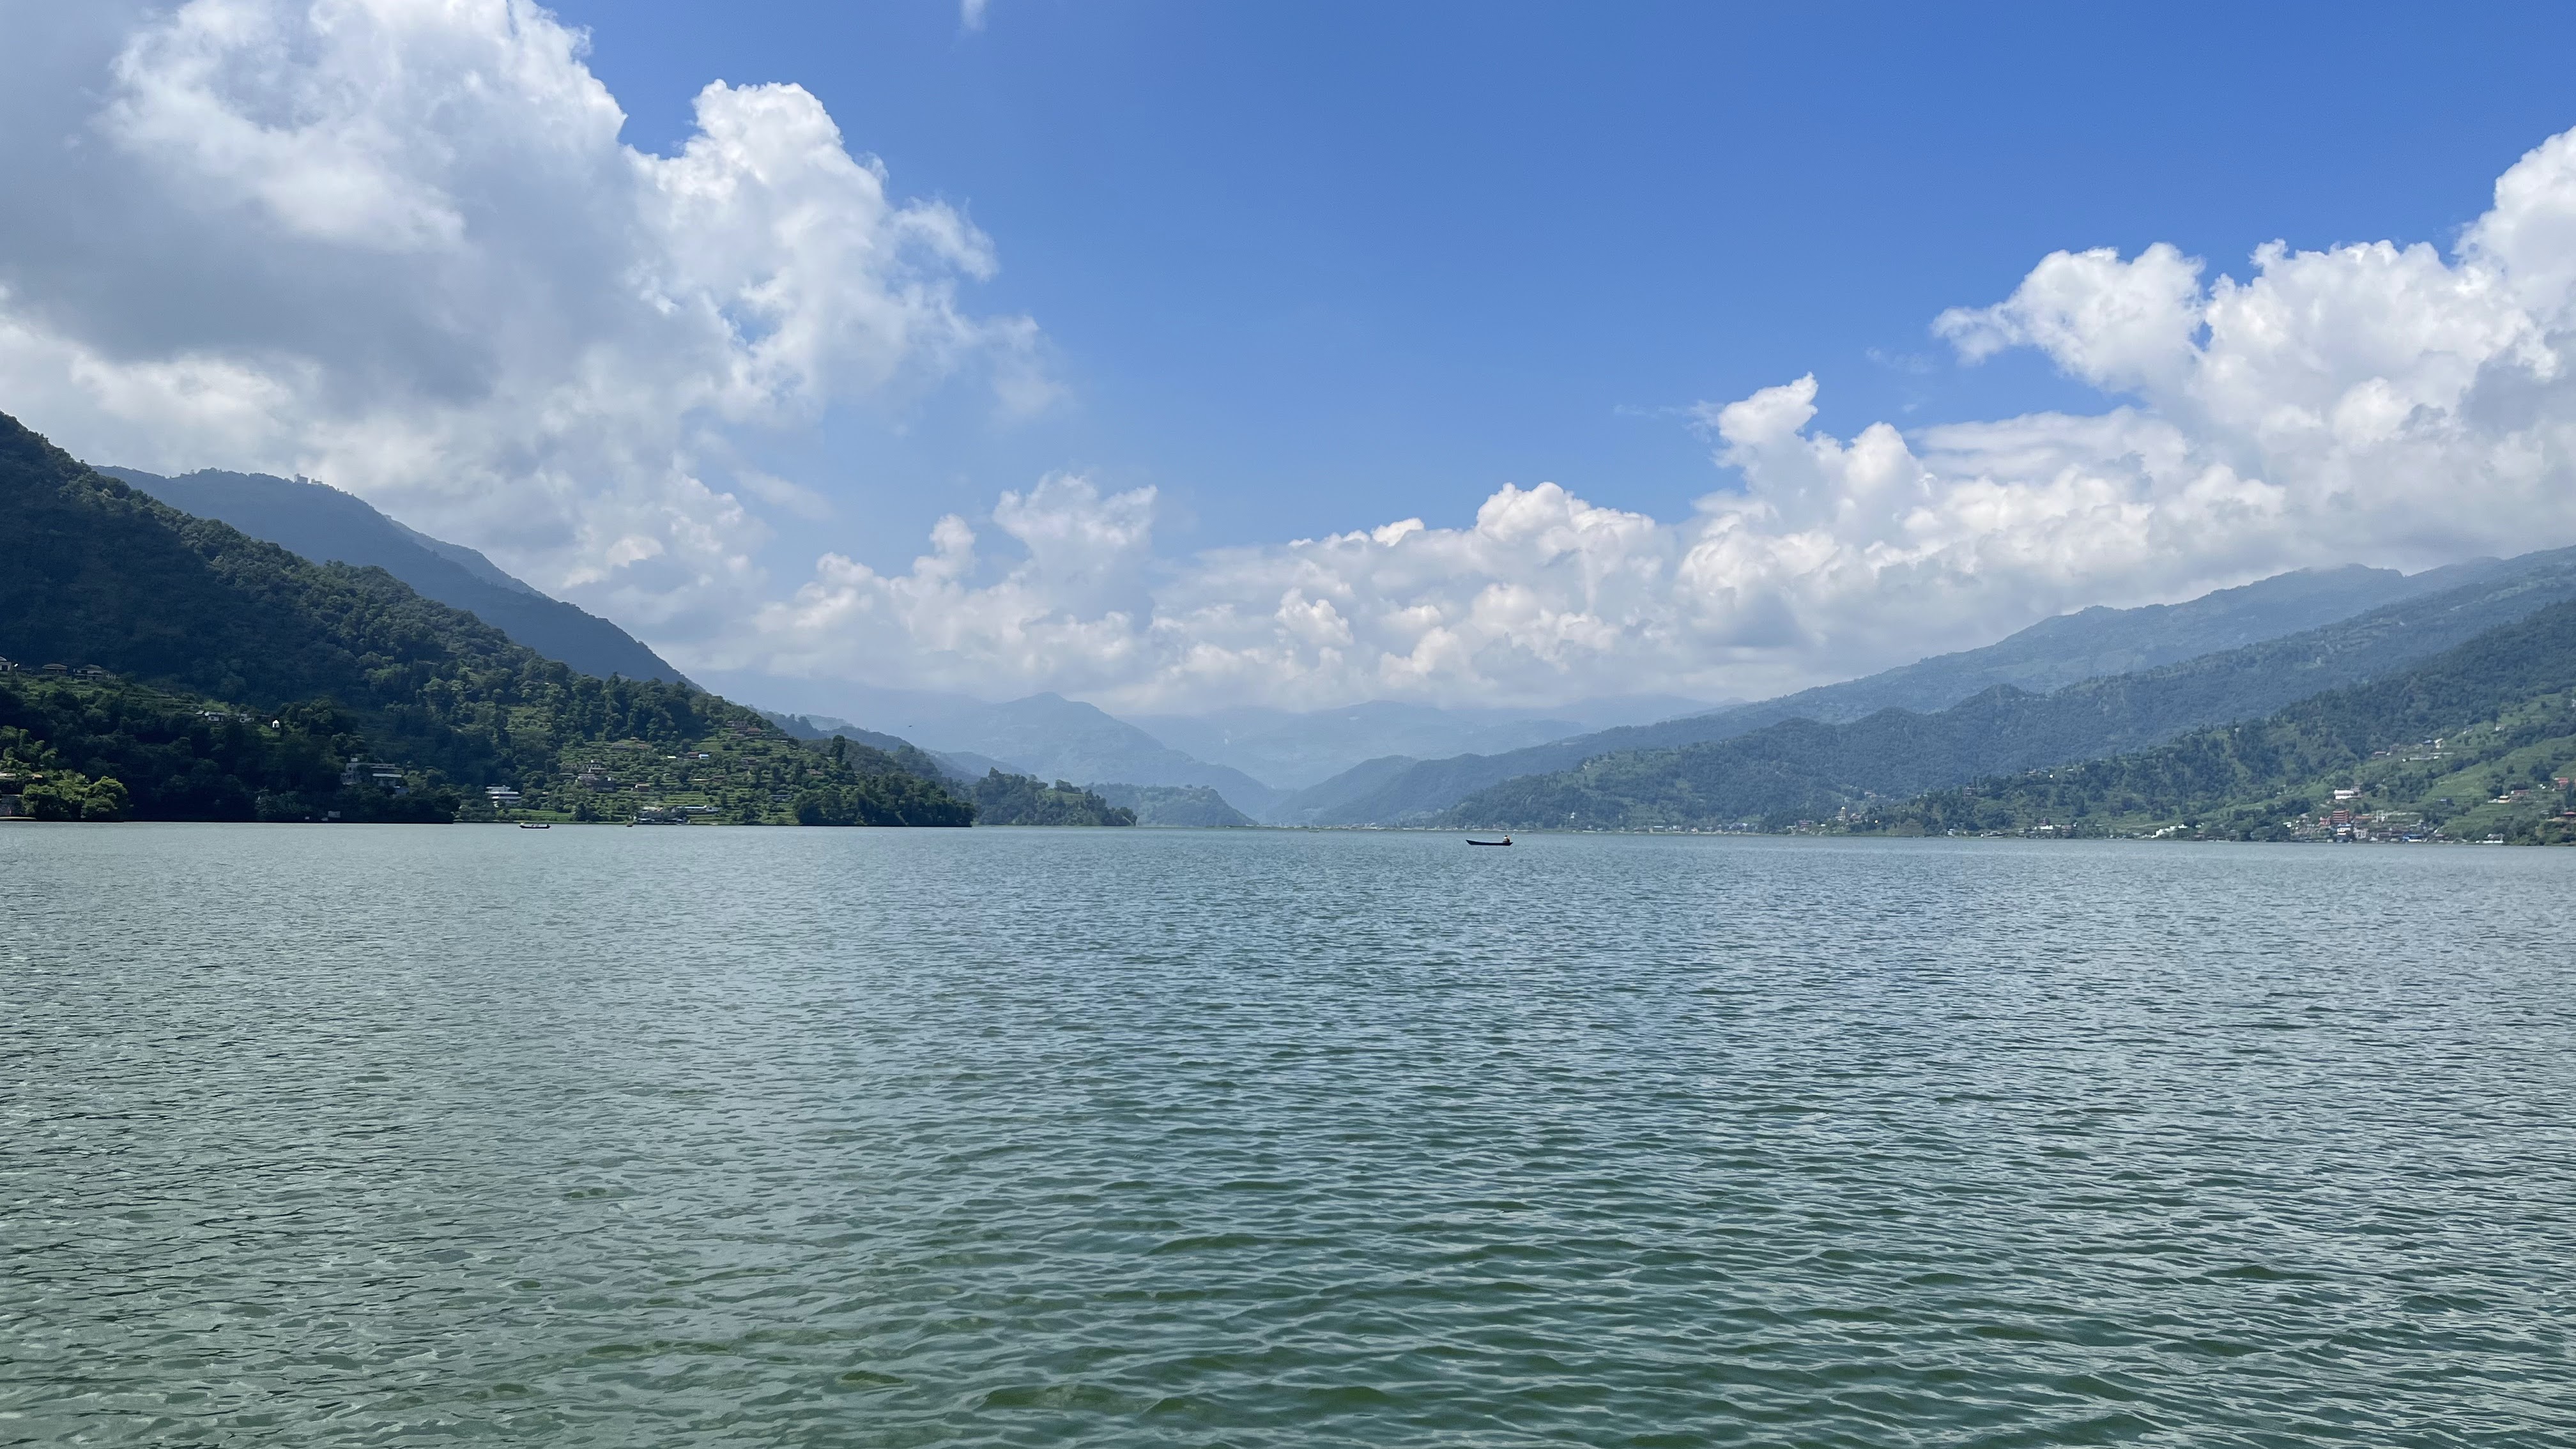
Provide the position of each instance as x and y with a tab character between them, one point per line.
2046	656
1809	769
2041	659
2098	642
1045	735
2470	742
814	727
1294	750
963	766
1063	739
326	525
1339	800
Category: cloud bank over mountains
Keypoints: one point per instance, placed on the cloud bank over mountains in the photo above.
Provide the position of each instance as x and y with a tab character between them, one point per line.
397	244
2367	402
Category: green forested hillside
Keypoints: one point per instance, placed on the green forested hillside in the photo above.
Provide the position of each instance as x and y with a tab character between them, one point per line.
323	524
2312	613
248	675
180	757
1020	800
1805	770
2472	744
1182	805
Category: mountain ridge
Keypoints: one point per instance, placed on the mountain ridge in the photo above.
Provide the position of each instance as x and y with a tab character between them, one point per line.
2478	741
1291	750
325	524
1806	768
1044	735
2050	654
234	679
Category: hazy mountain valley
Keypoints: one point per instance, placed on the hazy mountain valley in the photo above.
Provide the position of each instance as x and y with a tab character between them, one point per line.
2087	686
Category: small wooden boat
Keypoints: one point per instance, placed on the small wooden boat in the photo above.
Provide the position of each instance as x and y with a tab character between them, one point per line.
536	825
1506	840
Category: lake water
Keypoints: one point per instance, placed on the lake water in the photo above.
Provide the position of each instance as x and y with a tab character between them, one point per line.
596	1136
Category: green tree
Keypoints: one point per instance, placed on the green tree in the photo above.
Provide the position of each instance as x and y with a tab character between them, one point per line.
70	795
107	800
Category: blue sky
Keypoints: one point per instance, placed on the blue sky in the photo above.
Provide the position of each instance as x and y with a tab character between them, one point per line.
1718	351
1310	267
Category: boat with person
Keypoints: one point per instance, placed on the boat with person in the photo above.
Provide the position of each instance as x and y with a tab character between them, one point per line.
536	825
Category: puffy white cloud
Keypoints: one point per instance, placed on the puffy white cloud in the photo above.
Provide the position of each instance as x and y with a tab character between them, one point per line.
397	244
2113	323
1072	610
2370	403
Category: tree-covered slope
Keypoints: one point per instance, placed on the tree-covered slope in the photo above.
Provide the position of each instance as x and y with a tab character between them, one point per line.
1179	805
1803	769
2045	657
1021	800
2101	642
205	623
179	757
2476	742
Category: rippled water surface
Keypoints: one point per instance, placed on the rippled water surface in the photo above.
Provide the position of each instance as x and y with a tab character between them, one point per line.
737	1137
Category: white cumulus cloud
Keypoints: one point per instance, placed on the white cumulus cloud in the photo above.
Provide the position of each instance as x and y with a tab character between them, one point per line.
2374	403
398	244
